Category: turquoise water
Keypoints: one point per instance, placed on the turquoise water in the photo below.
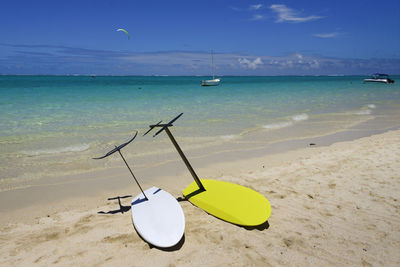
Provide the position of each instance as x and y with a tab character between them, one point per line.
53	124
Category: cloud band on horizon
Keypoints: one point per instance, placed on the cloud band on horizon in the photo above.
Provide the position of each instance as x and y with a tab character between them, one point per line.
50	59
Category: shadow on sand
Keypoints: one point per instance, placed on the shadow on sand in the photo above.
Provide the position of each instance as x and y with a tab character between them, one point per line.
260	227
170	249
121	209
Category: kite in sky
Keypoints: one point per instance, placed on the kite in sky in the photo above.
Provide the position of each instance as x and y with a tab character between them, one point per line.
122	30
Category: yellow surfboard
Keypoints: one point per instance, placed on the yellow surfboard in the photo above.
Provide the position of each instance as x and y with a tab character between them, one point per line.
230	202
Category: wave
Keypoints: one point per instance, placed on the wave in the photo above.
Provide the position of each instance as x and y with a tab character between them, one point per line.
300	117
367	110
363	112
228	137
283	124
277	125
75	148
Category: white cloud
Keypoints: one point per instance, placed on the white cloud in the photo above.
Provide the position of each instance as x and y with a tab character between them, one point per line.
251	9
326	35
244	62
295	62
298	56
256	7
257	17
286	14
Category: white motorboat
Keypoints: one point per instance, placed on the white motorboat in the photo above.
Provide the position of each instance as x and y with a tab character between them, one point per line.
379	78
213	81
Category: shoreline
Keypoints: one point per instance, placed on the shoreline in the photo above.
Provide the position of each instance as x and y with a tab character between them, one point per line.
331	205
166	167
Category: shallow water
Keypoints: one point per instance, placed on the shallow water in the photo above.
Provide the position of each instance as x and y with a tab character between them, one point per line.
53	125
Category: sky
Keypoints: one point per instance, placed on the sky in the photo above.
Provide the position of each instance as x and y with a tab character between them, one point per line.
351	37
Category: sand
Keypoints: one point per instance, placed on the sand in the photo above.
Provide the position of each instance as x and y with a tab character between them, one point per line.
331	206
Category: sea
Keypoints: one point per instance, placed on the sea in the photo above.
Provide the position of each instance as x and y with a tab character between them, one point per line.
54	125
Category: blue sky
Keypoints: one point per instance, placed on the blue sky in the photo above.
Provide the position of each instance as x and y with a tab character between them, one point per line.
175	37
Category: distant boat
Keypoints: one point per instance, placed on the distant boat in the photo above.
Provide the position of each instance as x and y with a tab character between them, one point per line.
213	82
379	78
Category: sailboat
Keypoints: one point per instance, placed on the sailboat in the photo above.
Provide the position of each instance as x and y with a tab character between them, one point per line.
213	82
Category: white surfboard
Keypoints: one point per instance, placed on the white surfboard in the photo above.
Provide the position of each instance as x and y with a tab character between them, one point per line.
159	220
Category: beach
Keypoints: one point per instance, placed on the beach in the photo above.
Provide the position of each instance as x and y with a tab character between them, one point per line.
331	205
323	150
199	133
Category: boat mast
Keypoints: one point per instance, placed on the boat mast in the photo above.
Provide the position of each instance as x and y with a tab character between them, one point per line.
212	62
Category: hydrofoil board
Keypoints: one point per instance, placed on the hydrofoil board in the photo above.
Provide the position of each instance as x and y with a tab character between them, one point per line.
230	202
159	220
